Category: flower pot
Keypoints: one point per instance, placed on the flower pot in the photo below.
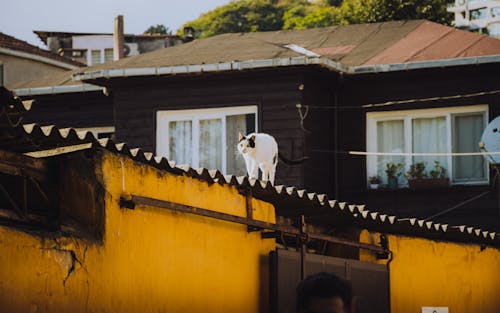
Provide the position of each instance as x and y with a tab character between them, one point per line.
392	182
373	186
428	183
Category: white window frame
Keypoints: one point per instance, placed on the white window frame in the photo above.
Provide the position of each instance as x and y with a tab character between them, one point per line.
407	115
164	117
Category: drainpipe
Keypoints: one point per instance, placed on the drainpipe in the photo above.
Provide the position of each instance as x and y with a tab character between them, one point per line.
336	135
118	38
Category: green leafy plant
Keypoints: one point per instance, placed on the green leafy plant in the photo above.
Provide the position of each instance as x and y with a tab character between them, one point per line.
416	171
393	170
438	171
375	179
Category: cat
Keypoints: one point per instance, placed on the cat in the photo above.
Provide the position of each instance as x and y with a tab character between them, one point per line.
260	151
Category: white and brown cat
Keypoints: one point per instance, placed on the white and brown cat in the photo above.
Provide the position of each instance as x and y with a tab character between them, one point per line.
260	151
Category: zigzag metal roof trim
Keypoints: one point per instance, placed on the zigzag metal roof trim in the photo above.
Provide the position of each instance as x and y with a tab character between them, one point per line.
69	136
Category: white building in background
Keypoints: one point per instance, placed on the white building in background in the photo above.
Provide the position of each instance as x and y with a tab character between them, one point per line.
477	15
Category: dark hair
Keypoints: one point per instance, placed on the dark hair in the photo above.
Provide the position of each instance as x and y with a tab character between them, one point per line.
323	285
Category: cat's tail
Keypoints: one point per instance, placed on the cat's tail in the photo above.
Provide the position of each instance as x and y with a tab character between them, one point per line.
292	162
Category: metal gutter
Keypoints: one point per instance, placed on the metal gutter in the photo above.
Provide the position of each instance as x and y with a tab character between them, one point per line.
39	58
57	89
282	62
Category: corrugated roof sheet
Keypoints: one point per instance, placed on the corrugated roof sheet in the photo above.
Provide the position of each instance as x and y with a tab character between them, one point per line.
289	201
12	43
376	43
361	45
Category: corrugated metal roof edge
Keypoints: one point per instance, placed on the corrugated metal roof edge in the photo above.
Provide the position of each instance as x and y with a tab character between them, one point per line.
358	213
278	62
57	89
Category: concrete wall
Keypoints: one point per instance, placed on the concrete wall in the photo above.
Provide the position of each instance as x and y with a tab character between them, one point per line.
18	69
463	277
149	259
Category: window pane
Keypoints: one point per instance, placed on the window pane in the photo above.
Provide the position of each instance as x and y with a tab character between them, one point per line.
429	136
211	144
390	138
180	141
235	164
467	131
108	55
96	57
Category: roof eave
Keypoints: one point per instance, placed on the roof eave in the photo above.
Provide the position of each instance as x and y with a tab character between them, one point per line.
37	91
39	58
281	62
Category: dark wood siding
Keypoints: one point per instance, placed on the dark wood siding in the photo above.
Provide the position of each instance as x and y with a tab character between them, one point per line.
334	125
81	109
378	88
275	93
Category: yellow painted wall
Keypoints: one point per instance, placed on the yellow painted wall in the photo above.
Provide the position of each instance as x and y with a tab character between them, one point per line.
430	273
150	260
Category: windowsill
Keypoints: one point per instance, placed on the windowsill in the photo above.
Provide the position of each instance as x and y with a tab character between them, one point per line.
406	189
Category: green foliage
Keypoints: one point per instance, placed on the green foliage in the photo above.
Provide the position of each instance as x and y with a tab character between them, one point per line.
416	171
375	179
239	16
393	170
438	171
158	29
266	15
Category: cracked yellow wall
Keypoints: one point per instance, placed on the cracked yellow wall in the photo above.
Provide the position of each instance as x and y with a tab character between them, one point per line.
441	274
150	260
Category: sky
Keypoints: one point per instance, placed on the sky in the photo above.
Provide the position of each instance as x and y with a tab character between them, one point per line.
19	18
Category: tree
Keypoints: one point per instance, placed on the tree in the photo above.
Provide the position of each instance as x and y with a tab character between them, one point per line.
265	15
158	29
239	16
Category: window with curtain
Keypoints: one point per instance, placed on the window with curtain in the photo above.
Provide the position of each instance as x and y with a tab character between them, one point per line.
434	131
205	137
95	57
108	55
390	138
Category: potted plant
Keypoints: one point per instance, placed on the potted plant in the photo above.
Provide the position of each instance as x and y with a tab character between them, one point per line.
418	179
393	171
438	174
374	181
415	175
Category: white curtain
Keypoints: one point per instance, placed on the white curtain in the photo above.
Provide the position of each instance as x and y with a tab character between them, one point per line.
235	164
180	142
467	131
429	136
210	146
390	138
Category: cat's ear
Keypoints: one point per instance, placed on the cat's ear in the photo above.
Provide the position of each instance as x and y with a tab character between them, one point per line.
252	138
240	137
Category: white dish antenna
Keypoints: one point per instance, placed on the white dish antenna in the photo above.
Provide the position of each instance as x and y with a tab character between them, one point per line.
490	141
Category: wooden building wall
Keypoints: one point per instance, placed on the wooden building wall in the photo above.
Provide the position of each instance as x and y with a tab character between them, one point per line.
359	90
76	110
138	99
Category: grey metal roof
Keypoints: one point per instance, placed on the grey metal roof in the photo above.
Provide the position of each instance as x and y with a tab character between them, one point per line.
288	201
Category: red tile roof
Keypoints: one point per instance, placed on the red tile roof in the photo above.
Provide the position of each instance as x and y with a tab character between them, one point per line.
12	43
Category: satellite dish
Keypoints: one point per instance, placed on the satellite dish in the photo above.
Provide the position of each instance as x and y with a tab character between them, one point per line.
490	141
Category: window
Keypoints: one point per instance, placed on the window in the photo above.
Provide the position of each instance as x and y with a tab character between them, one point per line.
494	29
96	57
205	137
495	12
433	131
479	14
108	55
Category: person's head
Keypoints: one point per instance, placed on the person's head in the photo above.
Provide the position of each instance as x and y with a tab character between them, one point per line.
324	293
